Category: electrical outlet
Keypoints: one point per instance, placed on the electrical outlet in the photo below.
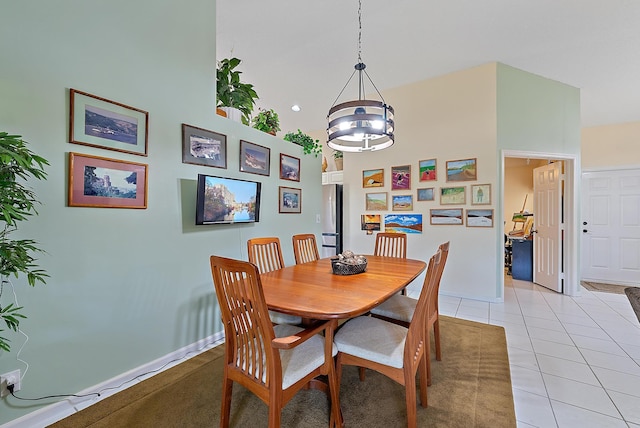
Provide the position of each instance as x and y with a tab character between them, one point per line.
11	378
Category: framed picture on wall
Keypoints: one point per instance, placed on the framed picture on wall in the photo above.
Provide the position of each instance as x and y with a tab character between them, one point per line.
481	194
290	200
254	158
98	122
373	178
106	183
462	170
480	218
401	177
289	167
203	147
402	202
452	195
426	194
376	201
428	170
451	216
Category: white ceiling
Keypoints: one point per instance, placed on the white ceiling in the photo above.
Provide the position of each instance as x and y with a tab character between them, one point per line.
303	51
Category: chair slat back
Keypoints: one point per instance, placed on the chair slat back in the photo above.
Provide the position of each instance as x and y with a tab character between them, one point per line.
247	327
265	253
305	248
391	245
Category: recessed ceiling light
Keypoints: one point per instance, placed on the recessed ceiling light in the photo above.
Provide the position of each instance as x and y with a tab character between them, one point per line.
295	107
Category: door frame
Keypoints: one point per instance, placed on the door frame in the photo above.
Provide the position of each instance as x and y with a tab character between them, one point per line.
571	202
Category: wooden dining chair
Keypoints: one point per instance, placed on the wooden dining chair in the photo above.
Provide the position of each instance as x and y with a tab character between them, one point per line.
391	245
390	349
305	248
400	310
266	254
273	362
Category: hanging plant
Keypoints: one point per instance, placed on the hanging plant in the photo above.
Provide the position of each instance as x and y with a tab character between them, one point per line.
309	145
266	121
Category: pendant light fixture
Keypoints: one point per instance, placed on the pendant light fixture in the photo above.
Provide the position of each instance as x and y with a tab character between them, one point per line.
360	125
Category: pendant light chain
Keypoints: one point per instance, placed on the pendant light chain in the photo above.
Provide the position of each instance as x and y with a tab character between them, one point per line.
359	31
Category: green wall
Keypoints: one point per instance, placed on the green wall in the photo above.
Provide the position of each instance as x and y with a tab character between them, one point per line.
127	286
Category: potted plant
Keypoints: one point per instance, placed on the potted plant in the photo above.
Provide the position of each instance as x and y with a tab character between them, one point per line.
17	203
233	93
309	145
338	159
266	121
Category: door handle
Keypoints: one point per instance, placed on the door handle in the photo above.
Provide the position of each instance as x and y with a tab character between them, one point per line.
584	223
584	230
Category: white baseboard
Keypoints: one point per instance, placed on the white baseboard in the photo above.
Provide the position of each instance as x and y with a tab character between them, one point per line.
55	412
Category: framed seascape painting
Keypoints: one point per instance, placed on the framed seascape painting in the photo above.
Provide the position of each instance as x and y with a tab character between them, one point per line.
376	201
480	218
254	158
401	177
428	171
99	122
446	216
452	195
462	170
373	178
289	167
106	183
203	147
425	194
481	194
290	200
403	223
402	202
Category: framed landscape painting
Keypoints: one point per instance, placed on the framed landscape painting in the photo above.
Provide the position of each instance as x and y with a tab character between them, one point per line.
446	216
480	218
425	194
403	223
462	170
203	147
373	178
402	202
106	183
99	122
401	177
452	195
289	167
290	200
254	158
376	201
428	171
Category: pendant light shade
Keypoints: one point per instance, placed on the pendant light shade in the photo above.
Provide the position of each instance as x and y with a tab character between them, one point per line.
360	125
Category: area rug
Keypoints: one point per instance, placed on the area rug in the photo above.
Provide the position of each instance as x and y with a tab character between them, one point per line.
471	388
633	293
603	287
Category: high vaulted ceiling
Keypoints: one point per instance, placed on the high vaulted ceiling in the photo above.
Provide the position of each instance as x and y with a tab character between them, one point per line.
303	51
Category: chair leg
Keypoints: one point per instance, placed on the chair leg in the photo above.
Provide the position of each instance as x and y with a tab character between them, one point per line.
423	381
275	409
334	389
427	356
225	415
410	393
361	373
436	336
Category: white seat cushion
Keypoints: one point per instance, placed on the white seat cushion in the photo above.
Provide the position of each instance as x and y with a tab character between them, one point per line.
303	359
397	307
280	318
373	339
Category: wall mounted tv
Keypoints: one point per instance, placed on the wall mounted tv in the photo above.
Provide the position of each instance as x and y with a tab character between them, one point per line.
221	200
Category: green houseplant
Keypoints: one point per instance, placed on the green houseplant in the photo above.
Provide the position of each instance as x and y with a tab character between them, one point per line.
338	157
309	145
266	121
17	203
231	91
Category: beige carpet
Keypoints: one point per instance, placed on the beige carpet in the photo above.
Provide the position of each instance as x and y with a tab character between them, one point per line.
603	287
471	388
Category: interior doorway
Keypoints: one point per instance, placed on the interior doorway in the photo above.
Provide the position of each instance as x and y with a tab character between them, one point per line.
569	246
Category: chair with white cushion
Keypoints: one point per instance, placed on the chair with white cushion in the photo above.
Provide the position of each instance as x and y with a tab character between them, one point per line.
390	349
273	362
400	310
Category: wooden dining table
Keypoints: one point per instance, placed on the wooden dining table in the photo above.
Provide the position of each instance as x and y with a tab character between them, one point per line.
312	291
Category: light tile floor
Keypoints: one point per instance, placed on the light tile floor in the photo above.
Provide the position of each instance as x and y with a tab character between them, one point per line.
575	361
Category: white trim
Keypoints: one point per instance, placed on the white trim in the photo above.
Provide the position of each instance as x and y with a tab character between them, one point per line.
611	168
58	411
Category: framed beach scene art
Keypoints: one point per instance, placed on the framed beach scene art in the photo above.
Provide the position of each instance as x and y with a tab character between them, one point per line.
451	216
254	158
401	177
376	201
289	167
480	218
462	170
428	171
402	202
373	178
203	147
403	223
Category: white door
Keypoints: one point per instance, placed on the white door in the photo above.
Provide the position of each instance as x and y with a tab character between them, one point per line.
610	245
548	223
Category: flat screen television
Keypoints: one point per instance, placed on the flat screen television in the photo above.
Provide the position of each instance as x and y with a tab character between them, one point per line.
222	200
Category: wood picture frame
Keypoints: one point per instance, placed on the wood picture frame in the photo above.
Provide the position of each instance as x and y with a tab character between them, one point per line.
98	122
401	177
446	216
428	170
480	217
255	159
376	201
453	195
289	167
99	182
481	194
462	170
403	223
426	194
402	202
203	147
373	178
289	200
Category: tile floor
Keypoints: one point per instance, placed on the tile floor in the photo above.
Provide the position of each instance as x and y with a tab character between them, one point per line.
575	361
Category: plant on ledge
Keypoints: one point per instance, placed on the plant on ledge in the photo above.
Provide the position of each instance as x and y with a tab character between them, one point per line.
309	145
17	203
231	92
267	121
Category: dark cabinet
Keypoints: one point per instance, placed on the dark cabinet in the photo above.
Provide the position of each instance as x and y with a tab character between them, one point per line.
522	259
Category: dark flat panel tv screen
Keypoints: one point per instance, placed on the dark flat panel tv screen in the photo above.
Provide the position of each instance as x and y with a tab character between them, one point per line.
221	200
